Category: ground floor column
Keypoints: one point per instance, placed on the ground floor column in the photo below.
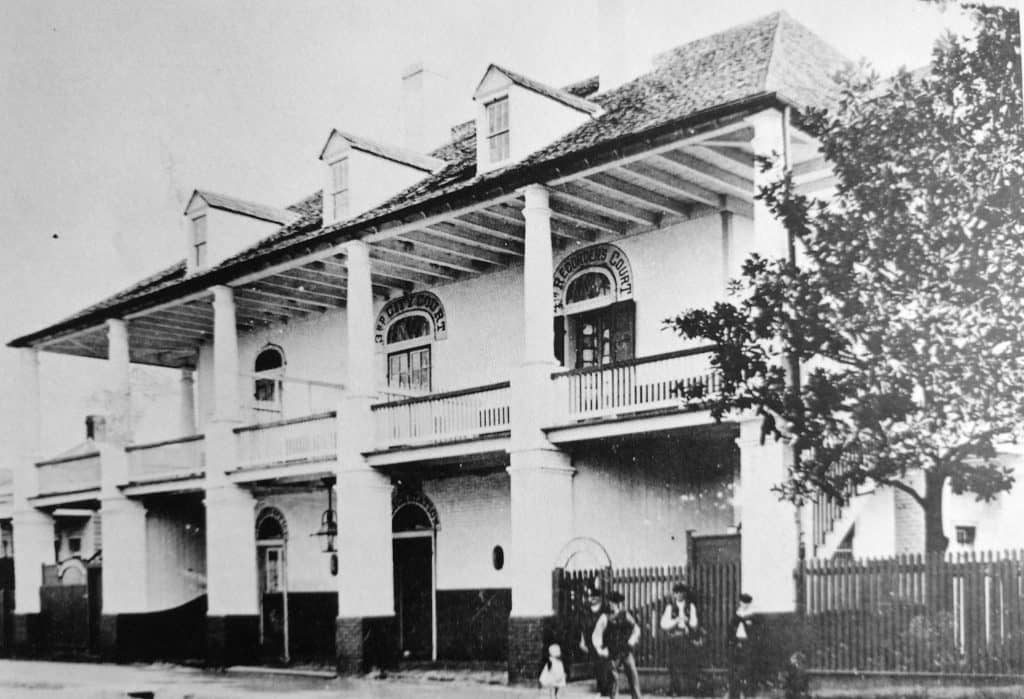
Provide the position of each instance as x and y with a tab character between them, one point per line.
769	541
769	548
125	583
33	547
541	514
232	616
365	632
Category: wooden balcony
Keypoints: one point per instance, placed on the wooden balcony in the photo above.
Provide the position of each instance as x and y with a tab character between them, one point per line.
312	438
172	459
70	474
646	385
441	418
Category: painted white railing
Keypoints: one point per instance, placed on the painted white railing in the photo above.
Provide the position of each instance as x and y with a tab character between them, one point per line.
69	474
172	458
639	385
303	439
293	398
442	417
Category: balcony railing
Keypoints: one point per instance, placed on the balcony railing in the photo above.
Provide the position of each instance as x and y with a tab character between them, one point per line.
442	417
639	385
173	458
69	474
303	439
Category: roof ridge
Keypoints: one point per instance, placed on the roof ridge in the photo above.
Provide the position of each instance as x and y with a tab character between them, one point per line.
778	16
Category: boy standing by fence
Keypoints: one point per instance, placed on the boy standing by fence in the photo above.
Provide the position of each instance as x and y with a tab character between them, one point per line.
740	640
679	621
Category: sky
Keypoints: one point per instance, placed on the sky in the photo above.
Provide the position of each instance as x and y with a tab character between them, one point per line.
112	113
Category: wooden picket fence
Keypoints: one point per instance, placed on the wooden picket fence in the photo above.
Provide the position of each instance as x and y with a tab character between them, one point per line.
958	614
647	590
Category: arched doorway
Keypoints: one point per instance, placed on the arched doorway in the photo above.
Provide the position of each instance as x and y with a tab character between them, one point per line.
272	571
413	525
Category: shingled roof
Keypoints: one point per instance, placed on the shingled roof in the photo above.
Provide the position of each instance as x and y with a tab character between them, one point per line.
564	96
398	155
246	208
771	60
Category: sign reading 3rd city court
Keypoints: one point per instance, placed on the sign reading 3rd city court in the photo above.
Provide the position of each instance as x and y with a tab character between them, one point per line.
607	257
421	301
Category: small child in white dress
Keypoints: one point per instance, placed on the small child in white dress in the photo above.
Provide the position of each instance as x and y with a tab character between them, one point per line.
552	676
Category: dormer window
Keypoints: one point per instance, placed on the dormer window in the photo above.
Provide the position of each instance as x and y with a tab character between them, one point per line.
339	189
199	241
497	129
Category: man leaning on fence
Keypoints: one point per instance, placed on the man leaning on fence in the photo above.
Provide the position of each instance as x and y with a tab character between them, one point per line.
615	638
679	622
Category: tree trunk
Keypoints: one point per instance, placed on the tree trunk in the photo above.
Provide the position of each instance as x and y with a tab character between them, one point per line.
935	540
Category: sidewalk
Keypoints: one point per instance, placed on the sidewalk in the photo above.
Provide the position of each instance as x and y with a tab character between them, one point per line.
21	679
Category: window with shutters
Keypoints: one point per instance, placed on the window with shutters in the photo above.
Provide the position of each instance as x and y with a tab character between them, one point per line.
268	384
339	189
596	329
497	130
408	344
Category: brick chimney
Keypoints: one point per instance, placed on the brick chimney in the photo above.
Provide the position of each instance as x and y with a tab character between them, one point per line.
424	112
620	60
95	428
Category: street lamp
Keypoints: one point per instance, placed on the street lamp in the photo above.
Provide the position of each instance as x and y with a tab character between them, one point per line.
329	526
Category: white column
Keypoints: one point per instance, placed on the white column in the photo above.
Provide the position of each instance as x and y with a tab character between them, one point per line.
365	578
32	529
231	583
187	408
124	520
769	525
119	427
225	355
770	236
540	474
538	331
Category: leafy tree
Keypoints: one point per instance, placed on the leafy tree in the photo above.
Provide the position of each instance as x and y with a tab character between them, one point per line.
906	310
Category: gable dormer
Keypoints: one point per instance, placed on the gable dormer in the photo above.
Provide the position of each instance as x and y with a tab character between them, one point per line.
360	174
517	116
219	226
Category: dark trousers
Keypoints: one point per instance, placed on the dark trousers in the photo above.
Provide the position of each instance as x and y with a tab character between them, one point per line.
682	665
632	676
602	672
741	670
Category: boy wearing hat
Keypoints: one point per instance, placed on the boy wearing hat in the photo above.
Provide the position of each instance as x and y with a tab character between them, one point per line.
615	637
679	621
742	629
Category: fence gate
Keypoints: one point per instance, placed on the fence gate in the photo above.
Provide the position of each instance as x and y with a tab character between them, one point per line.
70	606
714	577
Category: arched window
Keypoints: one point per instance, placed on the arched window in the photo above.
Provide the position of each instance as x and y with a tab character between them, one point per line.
408	328
594	312
267	388
408	345
589	286
271	525
411	518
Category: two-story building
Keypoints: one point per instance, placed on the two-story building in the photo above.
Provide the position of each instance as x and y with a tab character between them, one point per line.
409	397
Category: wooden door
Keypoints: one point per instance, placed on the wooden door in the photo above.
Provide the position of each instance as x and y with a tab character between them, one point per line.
414	596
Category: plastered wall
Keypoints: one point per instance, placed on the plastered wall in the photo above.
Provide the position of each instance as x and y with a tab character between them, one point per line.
474	516
175	558
308	566
639	503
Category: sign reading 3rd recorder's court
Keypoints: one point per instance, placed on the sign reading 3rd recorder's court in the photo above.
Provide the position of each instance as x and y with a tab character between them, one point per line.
608	257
